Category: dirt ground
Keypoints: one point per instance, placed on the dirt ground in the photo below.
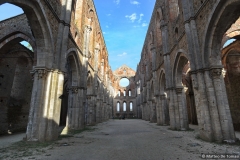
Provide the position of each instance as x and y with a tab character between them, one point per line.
121	140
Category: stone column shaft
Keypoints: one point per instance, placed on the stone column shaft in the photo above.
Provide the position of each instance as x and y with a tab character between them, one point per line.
45	105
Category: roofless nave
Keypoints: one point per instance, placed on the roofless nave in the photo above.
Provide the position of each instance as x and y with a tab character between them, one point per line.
184	75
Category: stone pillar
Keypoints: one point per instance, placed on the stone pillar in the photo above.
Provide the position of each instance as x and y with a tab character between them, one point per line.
154	112
222	106
158	114
153	118
150	111
98	111
90	111
172	109
45	105
161	110
182	109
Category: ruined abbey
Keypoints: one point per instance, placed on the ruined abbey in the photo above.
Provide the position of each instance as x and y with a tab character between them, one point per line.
186	75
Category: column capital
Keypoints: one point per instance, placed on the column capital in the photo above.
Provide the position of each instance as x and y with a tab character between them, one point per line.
40	71
216	72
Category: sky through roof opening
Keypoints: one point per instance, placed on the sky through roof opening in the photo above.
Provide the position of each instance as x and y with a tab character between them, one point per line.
8	10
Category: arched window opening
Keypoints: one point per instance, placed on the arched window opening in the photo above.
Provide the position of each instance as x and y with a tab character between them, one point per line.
131	106
118	107
124	82
124	93
129	93
27	45
228	42
124	107
119	93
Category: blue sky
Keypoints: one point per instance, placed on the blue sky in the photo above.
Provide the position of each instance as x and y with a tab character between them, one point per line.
124	24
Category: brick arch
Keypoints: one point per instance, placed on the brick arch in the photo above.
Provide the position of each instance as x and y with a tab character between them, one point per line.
40	27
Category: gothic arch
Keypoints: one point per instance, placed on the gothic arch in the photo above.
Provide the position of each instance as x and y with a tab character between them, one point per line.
162	82
73	67
223	15
16	38
40	27
20	36
180	61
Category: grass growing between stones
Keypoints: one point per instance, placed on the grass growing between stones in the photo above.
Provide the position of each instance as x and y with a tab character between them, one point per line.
23	149
74	132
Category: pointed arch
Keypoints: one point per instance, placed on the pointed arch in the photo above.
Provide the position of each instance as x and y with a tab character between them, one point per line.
40	27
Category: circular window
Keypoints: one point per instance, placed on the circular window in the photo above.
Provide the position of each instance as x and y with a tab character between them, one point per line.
124	82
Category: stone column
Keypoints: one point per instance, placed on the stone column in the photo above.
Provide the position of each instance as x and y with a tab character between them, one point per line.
172	109
158	107
222	107
154	111
98	111
161	110
45	105
153	118
182	110
150	111
90	113
141	111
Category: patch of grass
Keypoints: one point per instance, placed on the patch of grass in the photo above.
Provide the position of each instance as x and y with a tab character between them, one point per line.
73	132
27	144
64	136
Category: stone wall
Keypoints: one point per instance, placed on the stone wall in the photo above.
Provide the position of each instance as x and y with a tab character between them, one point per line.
16	87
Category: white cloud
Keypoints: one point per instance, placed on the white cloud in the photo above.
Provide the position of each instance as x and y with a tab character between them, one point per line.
132	17
144	24
140	18
123	54
136	26
109	14
116	1
134	2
